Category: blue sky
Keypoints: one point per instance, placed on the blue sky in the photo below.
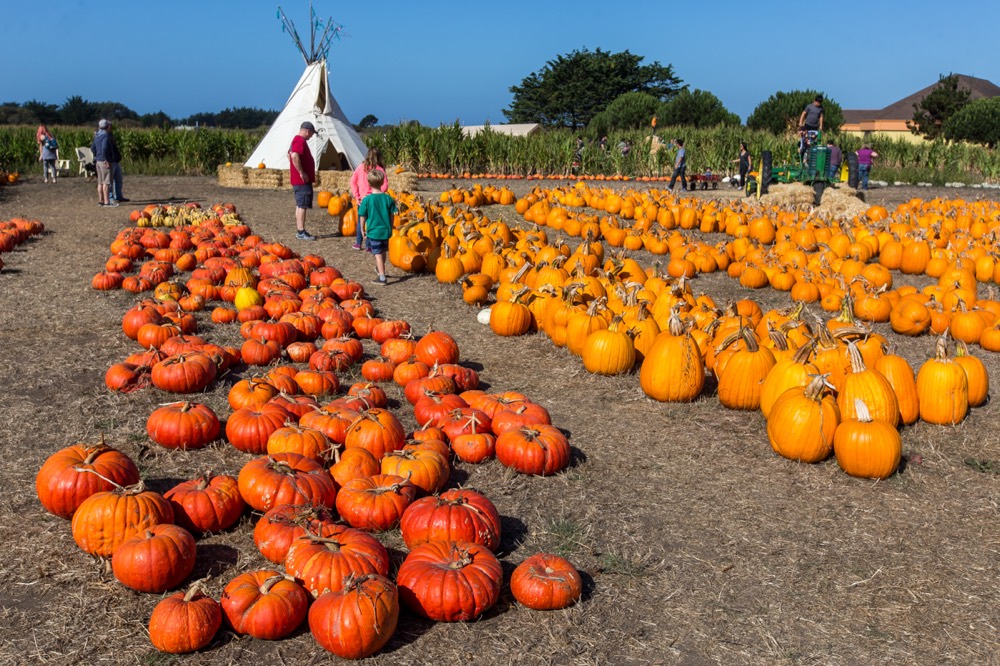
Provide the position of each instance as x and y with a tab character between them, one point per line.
438	61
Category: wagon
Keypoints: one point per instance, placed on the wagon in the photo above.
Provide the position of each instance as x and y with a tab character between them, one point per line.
704	180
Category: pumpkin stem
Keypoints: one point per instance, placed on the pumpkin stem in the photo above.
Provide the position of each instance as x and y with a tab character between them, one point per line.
272	581
94	451
861	410
857	361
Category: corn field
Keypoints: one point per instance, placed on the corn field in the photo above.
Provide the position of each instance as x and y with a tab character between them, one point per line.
144	151
553	152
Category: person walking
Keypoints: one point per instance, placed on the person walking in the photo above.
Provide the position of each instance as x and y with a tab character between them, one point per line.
836	158
48	149
302	174
102	159
361	186
115	193
375	220
680	166
865	156
744	160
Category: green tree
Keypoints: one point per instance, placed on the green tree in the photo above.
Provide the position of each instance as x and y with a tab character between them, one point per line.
77	111
245	118
633	110
571	89
158	119
114	111
368	121
46	114
698	109
976	122
780	112
933	111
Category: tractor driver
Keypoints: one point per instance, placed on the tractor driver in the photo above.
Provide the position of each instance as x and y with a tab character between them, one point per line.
810	123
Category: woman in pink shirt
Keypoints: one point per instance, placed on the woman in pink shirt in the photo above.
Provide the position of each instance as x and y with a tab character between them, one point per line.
359	183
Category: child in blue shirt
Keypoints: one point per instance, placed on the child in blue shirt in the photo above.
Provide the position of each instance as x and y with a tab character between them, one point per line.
375	217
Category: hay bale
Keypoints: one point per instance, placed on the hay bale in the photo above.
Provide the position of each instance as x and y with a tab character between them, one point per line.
791	195
265	179
234	175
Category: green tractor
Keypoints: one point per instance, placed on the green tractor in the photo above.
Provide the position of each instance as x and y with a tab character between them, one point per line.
812	169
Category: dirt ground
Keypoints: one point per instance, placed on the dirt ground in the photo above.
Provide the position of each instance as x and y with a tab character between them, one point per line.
697	544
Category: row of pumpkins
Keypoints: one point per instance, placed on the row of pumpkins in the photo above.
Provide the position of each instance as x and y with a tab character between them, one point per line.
615	315
347	457
15	231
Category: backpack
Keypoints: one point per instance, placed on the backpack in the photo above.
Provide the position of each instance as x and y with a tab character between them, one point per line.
50	143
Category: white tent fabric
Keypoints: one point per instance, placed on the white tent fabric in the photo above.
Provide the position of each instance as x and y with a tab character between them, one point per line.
334	146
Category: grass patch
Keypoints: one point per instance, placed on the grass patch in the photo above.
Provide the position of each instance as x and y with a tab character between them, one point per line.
568	536
983	466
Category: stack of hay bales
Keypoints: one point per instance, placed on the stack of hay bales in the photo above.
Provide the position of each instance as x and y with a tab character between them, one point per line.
839	201
237	175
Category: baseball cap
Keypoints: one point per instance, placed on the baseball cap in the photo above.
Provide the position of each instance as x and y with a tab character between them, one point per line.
308	125
103	124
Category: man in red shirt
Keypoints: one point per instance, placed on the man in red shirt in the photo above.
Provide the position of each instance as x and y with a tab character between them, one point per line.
302	174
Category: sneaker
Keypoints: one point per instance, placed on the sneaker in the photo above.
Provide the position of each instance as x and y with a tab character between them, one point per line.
355	247
304	236
379	280
123	199
113	204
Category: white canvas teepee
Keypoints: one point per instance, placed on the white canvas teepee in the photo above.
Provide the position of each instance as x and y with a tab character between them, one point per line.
335	145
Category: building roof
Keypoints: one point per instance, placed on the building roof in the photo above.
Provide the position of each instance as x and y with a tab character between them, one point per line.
523	129
903	109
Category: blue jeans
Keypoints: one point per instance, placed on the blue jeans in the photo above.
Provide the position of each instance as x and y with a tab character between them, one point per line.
115	192
679	172
863	170
834	172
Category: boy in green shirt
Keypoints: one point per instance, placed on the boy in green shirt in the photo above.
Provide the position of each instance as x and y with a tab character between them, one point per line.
375	217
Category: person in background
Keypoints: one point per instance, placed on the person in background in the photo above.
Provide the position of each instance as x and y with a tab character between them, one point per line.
48	152
603	145
375	221
361	187
302	174
744	160
102	159
865	156
115	194
680	166
836	158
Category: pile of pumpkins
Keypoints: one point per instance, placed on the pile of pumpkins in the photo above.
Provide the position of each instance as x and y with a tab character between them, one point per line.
15	231
616	315
326	471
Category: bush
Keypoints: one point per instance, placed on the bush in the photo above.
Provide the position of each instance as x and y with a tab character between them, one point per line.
977	122
696	109
780	112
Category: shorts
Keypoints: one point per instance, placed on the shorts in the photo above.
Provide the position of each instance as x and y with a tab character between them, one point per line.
378	246
303	196
104	173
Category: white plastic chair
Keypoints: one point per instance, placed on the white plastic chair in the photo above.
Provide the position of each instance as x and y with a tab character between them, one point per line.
85	156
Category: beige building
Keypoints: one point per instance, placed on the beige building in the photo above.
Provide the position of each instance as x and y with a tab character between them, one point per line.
892	120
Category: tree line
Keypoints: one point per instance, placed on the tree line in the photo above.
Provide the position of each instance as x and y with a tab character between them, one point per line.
598	91
77	111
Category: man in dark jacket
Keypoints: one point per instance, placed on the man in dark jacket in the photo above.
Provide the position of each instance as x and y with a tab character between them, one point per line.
101	147
115	192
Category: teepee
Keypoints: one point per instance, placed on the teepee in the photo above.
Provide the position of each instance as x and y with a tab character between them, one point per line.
335	145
